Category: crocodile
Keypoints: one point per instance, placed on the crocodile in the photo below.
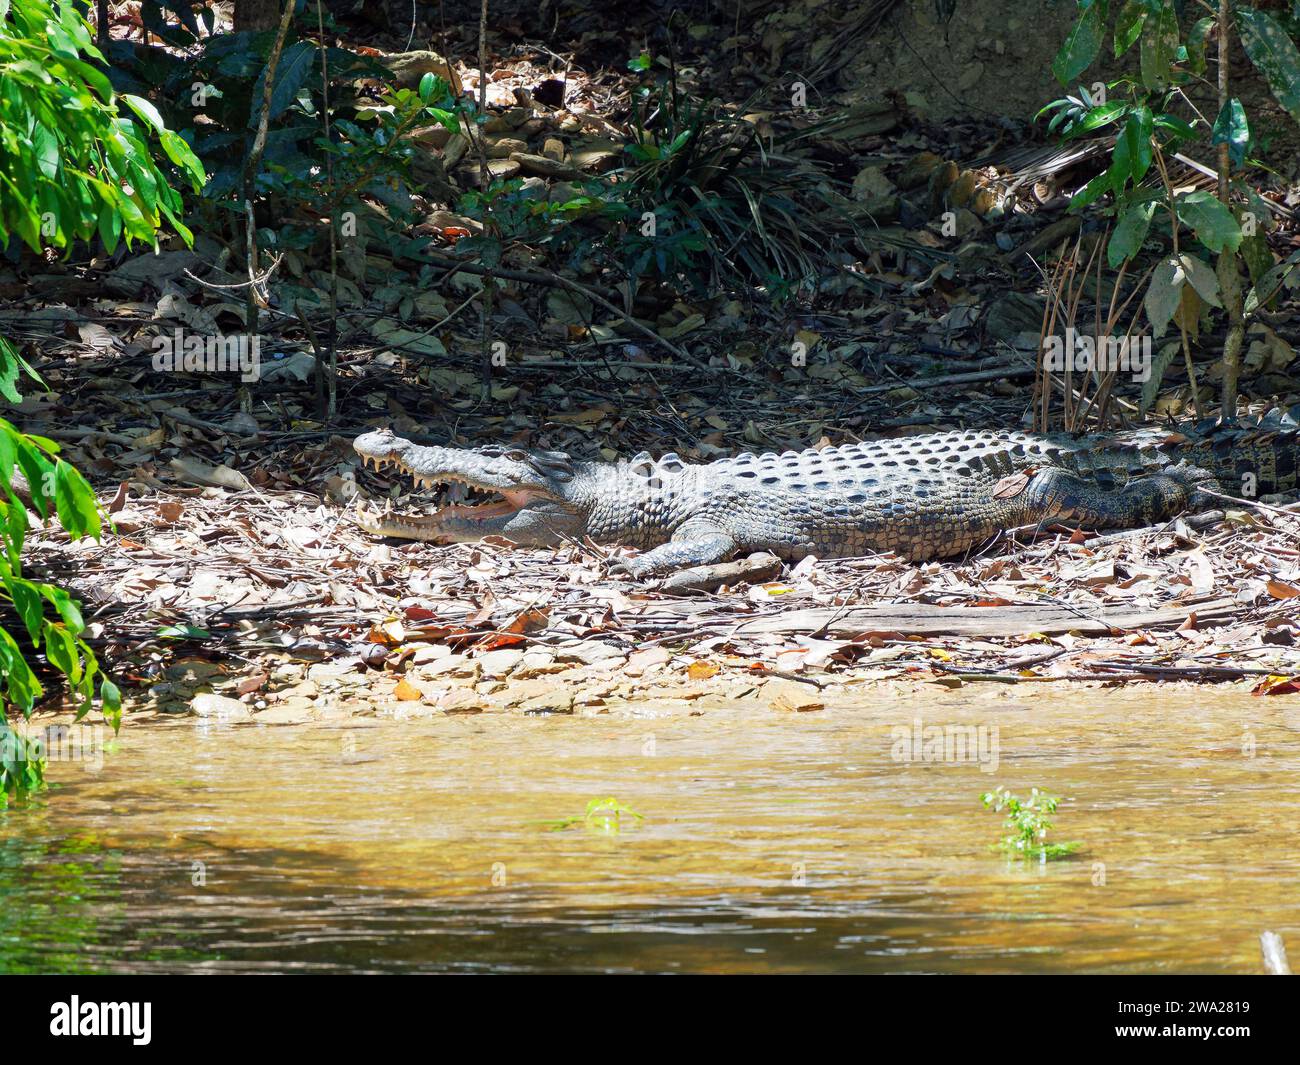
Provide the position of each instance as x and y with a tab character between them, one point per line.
931	496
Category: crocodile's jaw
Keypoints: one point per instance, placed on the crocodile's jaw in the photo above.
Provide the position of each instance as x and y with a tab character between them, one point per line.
534	524
527	506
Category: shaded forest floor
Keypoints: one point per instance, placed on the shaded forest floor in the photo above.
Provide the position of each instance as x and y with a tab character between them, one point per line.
235	583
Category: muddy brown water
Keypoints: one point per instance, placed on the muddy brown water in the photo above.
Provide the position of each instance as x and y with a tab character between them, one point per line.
771	842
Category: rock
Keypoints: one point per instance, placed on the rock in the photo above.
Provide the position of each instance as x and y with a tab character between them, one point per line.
306	690
590	652
192	671
219	707
443	220
917	170
873	189
431	652
544	166
967	222
563	192
595	156
499	663
794	697
505	147
456	150
645	659
461	701
535	662
1012	314
286	714
435	137
534	188
553	148
409	67
452	665
555	702
503	169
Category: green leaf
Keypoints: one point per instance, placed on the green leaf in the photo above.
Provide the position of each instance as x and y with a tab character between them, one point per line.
1196	43
21	685
1179	127
111	696
183	632
1081	45
27	602
1212	222
1258	256
1094	190
1232	129
1201	276
1159	44
61	652
1098	117
74	500
145	110
1128	25
66	606
1130	232
290	73
1163	295
1137	137
46	144
1274	55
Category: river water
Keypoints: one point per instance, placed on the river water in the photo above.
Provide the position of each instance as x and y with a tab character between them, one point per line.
770	842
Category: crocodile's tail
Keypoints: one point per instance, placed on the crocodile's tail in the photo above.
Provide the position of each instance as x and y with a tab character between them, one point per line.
1249	458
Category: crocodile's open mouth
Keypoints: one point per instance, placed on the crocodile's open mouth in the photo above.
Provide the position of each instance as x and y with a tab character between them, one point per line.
455	497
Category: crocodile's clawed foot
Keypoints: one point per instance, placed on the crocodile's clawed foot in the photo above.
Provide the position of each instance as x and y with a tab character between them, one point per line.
622	567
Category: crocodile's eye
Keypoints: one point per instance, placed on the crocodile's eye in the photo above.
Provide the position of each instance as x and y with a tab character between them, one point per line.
516	456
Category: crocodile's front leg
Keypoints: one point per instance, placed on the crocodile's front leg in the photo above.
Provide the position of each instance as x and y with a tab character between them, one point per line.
690	546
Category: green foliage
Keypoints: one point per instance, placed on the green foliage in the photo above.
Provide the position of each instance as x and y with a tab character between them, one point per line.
72	165
698	203
370	157
1027	823
50	618
605	816
1274	55
215	93
1142	113
723	210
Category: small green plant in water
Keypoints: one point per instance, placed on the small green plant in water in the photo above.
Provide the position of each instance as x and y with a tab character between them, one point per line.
1028	821
607	816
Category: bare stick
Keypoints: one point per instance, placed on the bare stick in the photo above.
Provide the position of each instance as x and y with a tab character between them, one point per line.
252	166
